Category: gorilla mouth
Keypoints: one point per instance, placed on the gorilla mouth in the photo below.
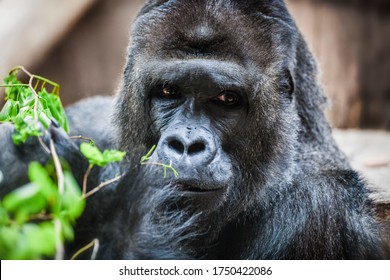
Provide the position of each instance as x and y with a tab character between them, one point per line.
194	188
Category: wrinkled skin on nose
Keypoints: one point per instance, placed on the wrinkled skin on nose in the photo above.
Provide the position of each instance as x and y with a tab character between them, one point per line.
189	145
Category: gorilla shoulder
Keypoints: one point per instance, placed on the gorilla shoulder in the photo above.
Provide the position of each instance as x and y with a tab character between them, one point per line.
92	118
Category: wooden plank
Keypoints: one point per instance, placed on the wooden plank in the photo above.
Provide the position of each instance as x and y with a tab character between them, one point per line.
90	59
351	41
369	153
30	28
333	35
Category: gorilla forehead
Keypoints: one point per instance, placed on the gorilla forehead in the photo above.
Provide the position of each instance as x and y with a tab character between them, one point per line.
217	29
270	8
222	74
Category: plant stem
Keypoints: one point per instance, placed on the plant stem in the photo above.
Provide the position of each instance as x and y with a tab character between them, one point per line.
79	137
59	245
15	85
94	243
43	145
41	216
165	166
102	185
58	167
85	179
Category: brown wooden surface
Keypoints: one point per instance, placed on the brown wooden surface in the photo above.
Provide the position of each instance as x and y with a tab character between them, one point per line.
30	28
90	59
383	212
351	40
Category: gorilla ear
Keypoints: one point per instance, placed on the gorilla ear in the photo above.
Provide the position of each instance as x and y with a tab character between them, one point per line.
287	84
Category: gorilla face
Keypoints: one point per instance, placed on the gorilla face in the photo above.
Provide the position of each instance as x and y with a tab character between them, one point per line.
207	96
213	87
196	108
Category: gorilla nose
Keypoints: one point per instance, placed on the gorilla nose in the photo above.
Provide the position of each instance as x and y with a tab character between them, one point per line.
191	149
196	149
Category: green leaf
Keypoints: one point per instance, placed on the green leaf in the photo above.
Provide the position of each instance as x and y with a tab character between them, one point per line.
66	227
40	239
28	99
40	176
25	201
113	155
9	237
96	157
5	112
9	111
147	156
92	153
54	108
44	119
12	92
27	242
14	110
72	200
25	128
4	219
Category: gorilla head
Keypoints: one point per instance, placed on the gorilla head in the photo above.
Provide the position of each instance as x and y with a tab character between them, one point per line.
227	91
212	85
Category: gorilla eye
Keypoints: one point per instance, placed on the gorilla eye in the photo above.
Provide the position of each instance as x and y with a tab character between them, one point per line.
228	98
168	92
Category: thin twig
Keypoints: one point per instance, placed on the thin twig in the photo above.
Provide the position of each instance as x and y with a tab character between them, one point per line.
41	216
164	166
14	85
79	137
59	245
154	163
85	179
43	145
102	185
94	243
30	84
55	86
61	181
58	167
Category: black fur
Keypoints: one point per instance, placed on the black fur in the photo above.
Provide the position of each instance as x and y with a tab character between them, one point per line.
291	194
265	179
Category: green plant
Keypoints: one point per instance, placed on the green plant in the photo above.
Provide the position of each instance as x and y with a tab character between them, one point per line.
31	106
145	161
96	157
37	218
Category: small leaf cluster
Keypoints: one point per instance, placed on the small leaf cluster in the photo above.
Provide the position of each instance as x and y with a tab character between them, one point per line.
29	108
145	161
38	217
28	214
96	157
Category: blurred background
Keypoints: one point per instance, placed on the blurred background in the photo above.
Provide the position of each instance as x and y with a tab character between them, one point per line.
81	45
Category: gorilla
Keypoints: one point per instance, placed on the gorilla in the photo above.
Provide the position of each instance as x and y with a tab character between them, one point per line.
227	90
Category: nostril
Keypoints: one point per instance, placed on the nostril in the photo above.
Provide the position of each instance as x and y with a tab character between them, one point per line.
197	147
176	146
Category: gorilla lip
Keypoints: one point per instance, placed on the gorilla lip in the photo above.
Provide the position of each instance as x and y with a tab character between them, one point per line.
193	188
